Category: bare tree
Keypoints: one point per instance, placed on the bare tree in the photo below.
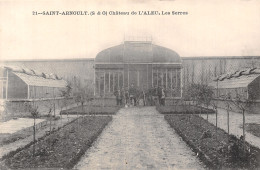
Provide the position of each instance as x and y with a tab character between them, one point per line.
33	109
200	94
192	95
83	95
214	104
207	96
243	102
228	102
204	95
66	94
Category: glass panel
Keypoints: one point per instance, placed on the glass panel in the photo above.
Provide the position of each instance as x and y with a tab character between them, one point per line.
115	81
168	79
107	83
160	77
102	85
121	80
169	87
111	82
178	83
154	78
97	84
164	79
174	79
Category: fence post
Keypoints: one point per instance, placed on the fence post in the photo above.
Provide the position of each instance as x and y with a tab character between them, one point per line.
228	121
216	122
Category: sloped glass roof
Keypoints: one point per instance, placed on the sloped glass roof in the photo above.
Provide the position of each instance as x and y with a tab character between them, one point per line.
40	81
35	78
32	72
235	82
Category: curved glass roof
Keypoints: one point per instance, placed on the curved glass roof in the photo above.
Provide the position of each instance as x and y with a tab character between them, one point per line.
137	52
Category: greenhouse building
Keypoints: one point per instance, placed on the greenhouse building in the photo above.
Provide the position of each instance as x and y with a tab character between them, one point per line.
243	83
141	63
26	84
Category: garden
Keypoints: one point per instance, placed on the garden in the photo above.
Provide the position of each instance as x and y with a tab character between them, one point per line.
215	147
61	148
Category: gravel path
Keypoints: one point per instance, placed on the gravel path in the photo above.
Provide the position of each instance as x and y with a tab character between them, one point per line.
139	138
235	124
13	126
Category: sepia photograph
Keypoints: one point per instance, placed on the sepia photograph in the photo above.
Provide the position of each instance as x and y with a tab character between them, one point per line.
129	84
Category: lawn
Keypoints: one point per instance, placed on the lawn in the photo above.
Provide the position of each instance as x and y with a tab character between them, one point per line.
63	148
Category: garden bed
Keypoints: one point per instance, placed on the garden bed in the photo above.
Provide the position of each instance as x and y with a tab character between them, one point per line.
8	138
216	150
91	110
61	149
253	128
184	109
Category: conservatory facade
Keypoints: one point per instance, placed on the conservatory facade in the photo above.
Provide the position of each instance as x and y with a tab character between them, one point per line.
140	63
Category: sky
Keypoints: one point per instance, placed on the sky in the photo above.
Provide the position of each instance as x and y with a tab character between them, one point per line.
211	28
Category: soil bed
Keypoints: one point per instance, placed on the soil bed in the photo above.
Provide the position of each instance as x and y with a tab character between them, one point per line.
91	110
63	148
253	128
184	109
217	151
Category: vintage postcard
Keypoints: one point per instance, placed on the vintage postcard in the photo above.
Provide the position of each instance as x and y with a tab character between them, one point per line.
130	84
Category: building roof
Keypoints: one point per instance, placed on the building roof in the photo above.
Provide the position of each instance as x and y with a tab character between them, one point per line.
32	72
40	81
237	73
35	78
137	52
237	80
